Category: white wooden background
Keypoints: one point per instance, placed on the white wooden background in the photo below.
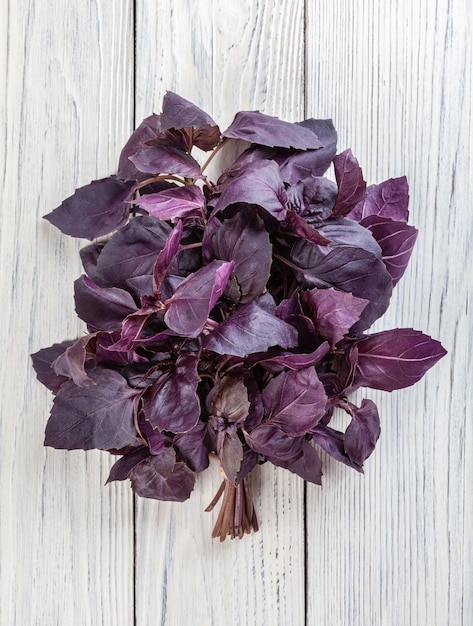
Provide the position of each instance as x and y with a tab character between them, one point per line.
391	548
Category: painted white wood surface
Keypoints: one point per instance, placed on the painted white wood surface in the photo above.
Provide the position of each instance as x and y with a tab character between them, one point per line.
390	548
67	94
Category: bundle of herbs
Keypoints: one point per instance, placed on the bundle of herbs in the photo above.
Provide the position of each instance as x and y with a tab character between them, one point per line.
229	319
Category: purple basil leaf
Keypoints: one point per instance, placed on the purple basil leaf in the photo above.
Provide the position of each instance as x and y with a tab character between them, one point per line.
42	361
308	466
132	251
244	240
165	258
295	401
103	308
89	257
342	231
296	361
230	400
295	166
195	446
164	159
351	185
250	329
121	469
172	403
333	312
71	362
388	199
313	198
100	416
158	442
394	359
248	463
332	442
105	355
296	225
195	297
180	113
148	130
173	203
230	453
147	480
95	209
270	441
266	130
132	328
288	307
396	240
362	432
350	269
258	183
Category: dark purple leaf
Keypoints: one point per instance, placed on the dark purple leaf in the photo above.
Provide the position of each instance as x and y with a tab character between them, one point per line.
333	312
342	231
270	441
89	257
165	258
296	361
363	432
196	445
71	362
351	185
313	198
394	359
230	400
244	240
295	166
148	481
132	251
258	183
297	226
388	199
172	403
164	159
195	297
148	130
332	442
100	416
349	269
230	453
106	356
158	441
122	468
266	130
248	463
295	401
173	203
42	361
104	308
396	240
180	113
289	307
308	466
95	209
250	329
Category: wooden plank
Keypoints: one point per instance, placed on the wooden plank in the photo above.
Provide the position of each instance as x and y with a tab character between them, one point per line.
217	55
66	541
394	546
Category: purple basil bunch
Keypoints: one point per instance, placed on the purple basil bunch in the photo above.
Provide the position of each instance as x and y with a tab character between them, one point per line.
230	319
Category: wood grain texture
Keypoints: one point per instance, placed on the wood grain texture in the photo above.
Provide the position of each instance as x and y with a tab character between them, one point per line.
394	546
66	541
218	55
